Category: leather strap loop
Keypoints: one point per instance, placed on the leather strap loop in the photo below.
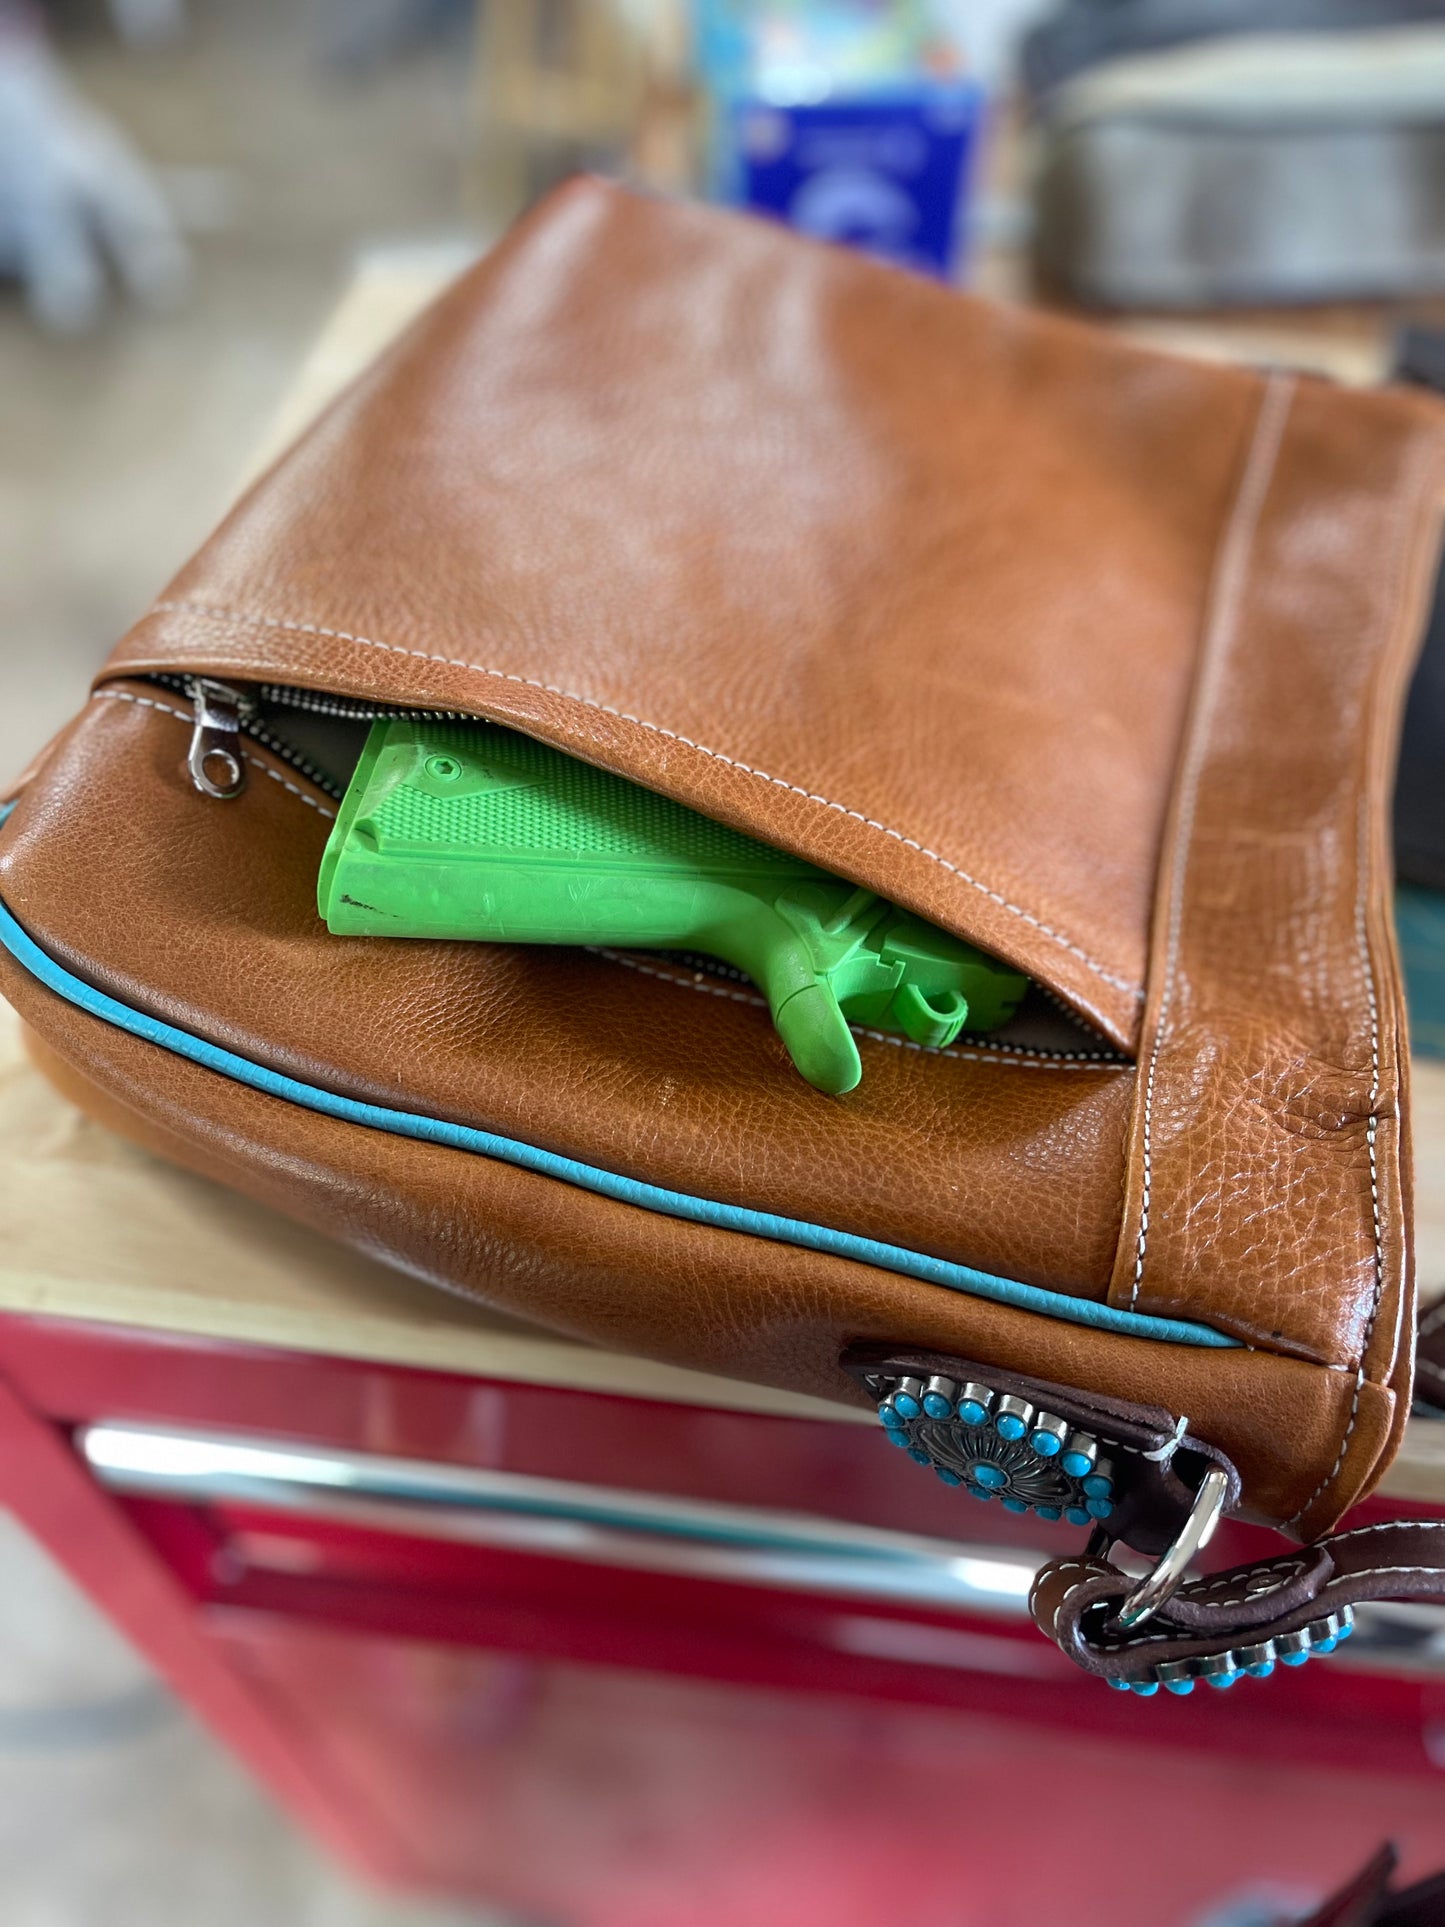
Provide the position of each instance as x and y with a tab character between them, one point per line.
1073	1599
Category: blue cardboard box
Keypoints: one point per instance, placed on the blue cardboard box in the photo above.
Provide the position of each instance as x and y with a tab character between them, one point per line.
886	172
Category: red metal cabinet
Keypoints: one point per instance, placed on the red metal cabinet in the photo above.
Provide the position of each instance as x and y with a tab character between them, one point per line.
484	1635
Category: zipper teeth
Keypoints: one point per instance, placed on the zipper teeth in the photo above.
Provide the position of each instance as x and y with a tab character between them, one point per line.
313	702
354	710
1080	1022
259	733
705	966
186	686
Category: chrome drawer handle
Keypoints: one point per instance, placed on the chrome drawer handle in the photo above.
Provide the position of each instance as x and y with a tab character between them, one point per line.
748	1545
752	1545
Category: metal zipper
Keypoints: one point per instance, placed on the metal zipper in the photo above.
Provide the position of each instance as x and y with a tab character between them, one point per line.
350	709
214	759
224	713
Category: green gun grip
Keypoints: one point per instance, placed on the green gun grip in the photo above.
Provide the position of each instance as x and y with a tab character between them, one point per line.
470	831
819	1040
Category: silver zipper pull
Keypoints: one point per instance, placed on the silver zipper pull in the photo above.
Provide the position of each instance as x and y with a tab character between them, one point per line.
215	761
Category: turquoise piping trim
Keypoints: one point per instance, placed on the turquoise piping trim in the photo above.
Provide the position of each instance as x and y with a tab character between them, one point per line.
606	1184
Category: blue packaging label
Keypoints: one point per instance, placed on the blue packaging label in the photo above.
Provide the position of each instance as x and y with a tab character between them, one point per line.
885	174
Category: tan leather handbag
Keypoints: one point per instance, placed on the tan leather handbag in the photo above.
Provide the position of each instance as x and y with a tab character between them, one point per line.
1092	656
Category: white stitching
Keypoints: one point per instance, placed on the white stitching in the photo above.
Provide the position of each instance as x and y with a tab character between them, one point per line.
1127	1646
1054	1570
1073	1060
141	702
1320	1605
1281	1577
1386	1525
1367	971
214	613
1289	1570
1025	1059
1231	1600
1179	1634
276	777
1238	543
166	709
1362	937
1376	1572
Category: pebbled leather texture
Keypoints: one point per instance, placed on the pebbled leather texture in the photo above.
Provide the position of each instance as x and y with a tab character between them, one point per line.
1090	654
625	1064
745	519
687	1294
1266	1163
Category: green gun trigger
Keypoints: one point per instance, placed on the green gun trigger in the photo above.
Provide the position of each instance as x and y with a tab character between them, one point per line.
874	964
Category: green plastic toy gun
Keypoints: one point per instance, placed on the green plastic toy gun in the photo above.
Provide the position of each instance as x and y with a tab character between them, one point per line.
473	831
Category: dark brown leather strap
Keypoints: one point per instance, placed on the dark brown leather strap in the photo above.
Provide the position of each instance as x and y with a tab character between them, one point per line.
1074	1600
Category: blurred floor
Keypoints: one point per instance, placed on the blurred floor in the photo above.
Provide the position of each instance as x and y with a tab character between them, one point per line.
117	1810
119	451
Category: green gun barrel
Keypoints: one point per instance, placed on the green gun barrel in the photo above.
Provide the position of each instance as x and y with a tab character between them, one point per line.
475	832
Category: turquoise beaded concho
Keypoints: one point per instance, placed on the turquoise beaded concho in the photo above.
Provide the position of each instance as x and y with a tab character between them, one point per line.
998	1446
1180	1676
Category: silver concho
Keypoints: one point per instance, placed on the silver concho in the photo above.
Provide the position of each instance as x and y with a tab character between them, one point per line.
996	1445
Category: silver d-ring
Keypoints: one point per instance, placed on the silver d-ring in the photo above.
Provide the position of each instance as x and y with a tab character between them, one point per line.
1160	1586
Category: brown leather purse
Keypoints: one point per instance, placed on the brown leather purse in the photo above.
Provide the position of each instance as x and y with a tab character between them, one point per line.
1094	657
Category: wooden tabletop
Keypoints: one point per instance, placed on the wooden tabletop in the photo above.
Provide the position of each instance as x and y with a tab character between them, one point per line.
94	1229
